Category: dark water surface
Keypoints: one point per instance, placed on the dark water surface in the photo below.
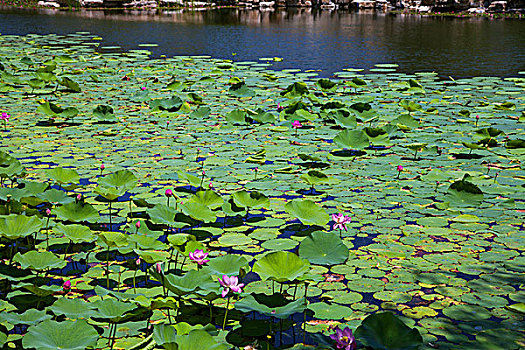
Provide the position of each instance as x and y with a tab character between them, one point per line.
306	39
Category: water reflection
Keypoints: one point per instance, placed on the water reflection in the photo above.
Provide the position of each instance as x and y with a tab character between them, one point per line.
305	38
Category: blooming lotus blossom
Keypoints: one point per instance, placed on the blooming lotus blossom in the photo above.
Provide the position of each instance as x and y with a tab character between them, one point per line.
230	283
296	124
199	256
344	339
5	117
340	221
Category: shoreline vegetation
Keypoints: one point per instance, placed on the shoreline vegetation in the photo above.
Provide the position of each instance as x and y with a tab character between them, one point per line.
434	8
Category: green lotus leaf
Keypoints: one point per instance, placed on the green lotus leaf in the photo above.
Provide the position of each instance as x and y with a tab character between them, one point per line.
55	196
241	90
105	113
384	330
64	59
295	90
466	312
18	226
198	340
519	307
112	309
146	242
172	104
201	113
208	198
281	267
251	199
119	179
315	177
344	118
352	139
52	335
77	212
327	311
152	256
262	117
3	338
188	283
76	233
323	248
73	308
63	176
49	109
110	193
36	83
227	265
236	116
377	136
275	305
164	215
198	211
32	187
406	120
410	106
113	239
192	179
515	144
462	193
39	260
326	85
70	84
30	317
164	334
307	212
356	83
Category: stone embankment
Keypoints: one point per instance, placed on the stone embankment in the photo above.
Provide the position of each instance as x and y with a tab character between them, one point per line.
421	6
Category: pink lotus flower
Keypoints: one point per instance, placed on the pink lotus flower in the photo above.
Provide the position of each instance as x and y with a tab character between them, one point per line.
48	211
230	283
199	256
210	186
344	339
168	193
400	168
102	167
66	285
340	221
137	261
296	124
79	197
137	225
5	117
158	267
143	88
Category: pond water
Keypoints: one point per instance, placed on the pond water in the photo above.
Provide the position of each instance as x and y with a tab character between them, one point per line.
304	38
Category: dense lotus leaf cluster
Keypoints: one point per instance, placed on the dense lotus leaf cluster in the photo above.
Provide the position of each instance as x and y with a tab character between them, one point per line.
257	163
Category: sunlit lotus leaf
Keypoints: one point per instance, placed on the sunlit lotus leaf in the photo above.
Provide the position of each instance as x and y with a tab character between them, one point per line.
227	265
162	214
307	211
77	212
39	260
112	309
344	118
251	199
275	305
462	193
208	198
73	308
152	256
385	331
105	113
119	179
113	239
52	335
198	211
201	113
237	116
17	226
281	266
241	90
76	233
63	175
55	196
327	311
352	139
192	179
110	193
323	248
188	283
198	340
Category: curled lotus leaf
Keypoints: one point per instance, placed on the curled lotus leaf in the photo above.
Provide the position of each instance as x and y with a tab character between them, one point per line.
251	199
76	233
77	212
119	179
352	139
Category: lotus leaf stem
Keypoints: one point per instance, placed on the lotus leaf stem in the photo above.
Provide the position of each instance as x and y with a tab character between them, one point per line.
226	313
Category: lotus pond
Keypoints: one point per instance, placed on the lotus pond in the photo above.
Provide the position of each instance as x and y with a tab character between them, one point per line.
196	203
